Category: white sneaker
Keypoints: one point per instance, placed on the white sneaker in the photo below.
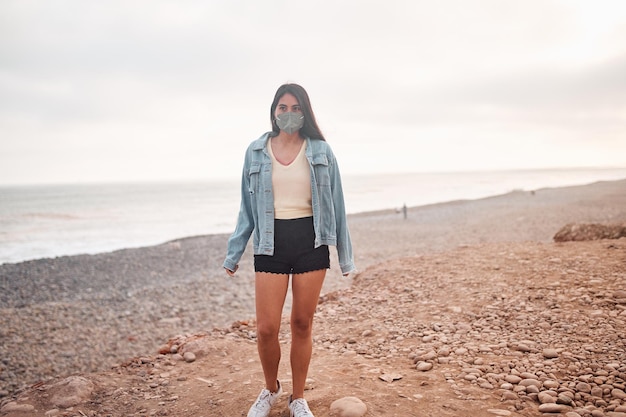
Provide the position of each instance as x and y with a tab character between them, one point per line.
299	408
264	402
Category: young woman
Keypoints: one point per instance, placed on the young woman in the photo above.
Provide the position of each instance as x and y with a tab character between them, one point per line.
292	203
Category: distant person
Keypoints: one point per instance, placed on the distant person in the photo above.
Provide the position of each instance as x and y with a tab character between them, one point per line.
292	201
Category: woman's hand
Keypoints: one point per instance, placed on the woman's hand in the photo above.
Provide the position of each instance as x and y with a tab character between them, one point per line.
231	273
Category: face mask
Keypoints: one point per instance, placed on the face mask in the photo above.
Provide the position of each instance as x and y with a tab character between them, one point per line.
290	122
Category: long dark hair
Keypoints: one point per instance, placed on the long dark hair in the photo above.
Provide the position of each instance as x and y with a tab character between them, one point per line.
310	128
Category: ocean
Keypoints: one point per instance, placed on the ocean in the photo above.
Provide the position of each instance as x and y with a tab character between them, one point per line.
56	220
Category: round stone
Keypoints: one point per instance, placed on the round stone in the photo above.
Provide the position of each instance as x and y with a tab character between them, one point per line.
512	379
550	353
545	398
424	366
348	407
552	408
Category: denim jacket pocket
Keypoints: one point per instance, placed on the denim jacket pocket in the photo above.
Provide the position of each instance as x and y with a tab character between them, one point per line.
253	177
322	172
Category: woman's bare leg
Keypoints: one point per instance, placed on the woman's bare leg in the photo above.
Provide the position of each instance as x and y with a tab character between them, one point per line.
306	291
270	293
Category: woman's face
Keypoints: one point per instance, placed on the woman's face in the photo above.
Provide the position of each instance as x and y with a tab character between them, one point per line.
287	103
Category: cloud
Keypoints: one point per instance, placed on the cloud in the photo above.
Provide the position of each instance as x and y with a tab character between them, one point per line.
596	94
156	82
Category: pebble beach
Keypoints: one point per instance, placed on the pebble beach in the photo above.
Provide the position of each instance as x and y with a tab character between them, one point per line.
87	313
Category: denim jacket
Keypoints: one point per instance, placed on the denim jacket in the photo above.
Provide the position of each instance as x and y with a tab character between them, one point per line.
256	213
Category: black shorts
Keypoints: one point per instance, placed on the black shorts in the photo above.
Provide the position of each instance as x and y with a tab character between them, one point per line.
294	249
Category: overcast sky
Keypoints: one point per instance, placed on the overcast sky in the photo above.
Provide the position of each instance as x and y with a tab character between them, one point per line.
173	90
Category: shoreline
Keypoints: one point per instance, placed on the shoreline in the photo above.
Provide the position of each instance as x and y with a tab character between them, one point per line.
85	313
369	213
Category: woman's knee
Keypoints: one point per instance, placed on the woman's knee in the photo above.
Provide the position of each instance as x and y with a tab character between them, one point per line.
301	326
267	331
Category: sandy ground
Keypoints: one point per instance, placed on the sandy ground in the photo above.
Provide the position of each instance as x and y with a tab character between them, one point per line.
479	283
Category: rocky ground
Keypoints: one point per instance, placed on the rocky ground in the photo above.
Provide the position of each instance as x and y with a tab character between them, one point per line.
466	308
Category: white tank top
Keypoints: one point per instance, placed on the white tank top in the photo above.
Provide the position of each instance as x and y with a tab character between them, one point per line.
292	186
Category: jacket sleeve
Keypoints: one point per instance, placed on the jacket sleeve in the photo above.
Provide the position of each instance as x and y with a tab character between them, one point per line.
344	243
245	222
